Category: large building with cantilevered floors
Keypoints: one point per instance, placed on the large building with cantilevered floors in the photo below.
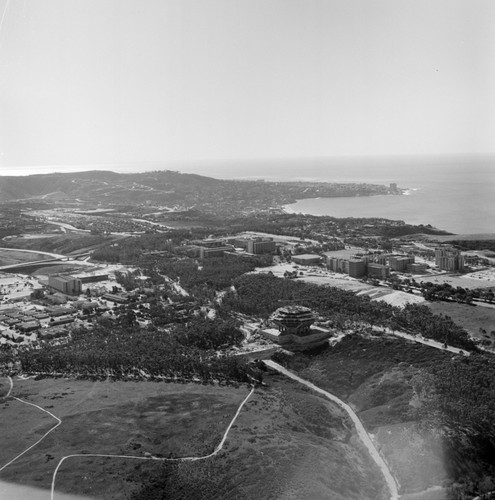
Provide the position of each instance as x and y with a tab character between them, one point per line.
292	328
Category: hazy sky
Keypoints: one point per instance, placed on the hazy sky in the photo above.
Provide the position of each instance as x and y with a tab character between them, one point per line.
112	81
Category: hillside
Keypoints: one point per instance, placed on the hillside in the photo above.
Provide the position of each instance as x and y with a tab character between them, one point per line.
172	188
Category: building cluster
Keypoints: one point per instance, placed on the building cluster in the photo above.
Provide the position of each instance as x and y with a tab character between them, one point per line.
214	247
17	323
375	265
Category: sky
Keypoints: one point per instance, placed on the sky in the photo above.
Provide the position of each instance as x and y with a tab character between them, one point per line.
133	82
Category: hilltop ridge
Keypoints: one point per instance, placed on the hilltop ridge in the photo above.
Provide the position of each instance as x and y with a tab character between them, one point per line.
175	188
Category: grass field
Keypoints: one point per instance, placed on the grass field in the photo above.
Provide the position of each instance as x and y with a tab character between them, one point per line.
471	318
112	418
10	257
286	442
290	444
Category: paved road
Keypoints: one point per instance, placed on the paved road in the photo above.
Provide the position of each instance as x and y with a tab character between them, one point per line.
375	455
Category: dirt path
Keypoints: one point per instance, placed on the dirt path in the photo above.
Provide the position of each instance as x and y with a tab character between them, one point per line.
217	449
42	437
375	455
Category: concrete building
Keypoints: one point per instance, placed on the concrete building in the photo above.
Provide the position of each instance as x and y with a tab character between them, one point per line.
205	252
449	259
399	263
65	284
417	268
378	271
293	329
357	268
260	246
306	259
338	265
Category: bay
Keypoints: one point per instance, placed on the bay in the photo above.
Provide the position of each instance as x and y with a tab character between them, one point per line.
456	197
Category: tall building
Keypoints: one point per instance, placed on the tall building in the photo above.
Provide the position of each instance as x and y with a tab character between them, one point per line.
449	259
259	246
399	263
66	284
378	271
357	268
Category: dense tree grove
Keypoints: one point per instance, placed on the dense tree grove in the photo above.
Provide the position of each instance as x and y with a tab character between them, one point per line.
117	350
458	400
261	294
216	273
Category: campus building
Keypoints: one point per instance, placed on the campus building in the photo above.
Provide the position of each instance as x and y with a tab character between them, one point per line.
293	329
399	263
306	259
379	271
260	246
65	284
449	259
356	268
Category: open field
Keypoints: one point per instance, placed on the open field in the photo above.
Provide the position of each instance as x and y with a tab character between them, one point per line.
464	281
473	319
286	442
10	257
111	418
290	444
374	375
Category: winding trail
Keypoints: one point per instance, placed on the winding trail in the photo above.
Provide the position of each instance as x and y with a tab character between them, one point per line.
217	449
42	437
375	454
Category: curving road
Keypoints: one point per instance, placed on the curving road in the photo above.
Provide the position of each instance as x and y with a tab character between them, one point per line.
365	438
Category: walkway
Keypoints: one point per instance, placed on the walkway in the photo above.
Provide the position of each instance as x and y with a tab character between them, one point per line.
375	455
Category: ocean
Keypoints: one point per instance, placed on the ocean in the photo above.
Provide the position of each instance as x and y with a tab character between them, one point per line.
456	197
456	194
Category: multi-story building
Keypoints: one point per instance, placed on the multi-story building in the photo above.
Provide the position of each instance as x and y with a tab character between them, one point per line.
417	268
357	268
449	259
66	284
378	270
205	252
399	263
259	246
294	330
338	265
307	259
